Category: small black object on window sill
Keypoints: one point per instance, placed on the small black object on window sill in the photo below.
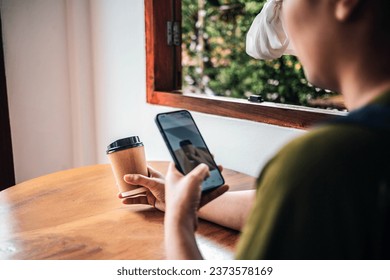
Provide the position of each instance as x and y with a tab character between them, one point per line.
255	98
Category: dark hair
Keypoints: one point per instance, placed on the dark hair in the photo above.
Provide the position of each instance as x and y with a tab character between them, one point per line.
379	16
382	21
384	8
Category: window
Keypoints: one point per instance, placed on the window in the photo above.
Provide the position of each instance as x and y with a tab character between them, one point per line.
164	78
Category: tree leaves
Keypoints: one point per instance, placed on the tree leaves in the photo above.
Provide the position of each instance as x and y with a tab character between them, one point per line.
222	67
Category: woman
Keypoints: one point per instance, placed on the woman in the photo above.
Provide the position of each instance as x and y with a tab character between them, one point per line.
325	194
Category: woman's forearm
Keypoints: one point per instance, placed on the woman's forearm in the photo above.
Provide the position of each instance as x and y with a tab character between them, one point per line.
180	242
230	209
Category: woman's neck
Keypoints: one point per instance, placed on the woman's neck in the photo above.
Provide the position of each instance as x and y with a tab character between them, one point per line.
364	80
357	96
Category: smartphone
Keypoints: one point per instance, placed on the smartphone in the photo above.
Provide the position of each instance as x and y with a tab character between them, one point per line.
187	147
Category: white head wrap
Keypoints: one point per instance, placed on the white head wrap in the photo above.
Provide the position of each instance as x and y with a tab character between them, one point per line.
266	38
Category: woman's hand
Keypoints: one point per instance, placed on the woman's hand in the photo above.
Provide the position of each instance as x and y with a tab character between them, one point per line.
183	199
184	194
155	196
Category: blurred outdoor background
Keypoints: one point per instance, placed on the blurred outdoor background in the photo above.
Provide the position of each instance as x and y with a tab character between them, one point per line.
215	62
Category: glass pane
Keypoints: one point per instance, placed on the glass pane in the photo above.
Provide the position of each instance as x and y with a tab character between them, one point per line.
215	62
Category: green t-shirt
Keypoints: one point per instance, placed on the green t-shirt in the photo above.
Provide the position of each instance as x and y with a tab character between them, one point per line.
321	197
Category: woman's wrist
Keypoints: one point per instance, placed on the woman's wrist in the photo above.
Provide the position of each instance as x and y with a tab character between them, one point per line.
179	220
180	242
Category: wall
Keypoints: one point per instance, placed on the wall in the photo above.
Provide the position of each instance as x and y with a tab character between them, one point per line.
76	81
38	86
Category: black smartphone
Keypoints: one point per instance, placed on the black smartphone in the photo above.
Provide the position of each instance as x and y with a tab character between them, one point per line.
187	147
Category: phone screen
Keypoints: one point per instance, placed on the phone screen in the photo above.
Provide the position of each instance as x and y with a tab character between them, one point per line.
186	145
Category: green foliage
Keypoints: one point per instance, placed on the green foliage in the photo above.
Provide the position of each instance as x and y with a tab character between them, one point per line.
219	65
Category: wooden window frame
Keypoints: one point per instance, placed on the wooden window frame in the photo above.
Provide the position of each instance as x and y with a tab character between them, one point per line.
163	80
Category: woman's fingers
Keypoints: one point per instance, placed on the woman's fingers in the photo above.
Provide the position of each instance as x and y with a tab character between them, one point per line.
199	173
136	179
141	180
141	199
153	173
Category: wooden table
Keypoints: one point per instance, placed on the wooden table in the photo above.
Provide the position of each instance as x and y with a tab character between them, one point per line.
75	214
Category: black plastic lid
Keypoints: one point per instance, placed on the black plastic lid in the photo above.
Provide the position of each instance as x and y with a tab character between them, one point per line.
125	143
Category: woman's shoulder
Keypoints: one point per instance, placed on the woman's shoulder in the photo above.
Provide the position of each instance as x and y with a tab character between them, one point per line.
334	138
325	155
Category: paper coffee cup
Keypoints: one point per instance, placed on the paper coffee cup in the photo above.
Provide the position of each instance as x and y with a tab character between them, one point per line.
127	156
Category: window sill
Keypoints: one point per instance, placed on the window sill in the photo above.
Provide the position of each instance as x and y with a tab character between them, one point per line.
266	112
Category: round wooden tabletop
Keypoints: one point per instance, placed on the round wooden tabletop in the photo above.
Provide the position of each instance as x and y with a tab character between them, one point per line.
75	214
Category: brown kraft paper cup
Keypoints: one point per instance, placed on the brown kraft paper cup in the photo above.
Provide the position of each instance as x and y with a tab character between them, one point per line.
127	156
